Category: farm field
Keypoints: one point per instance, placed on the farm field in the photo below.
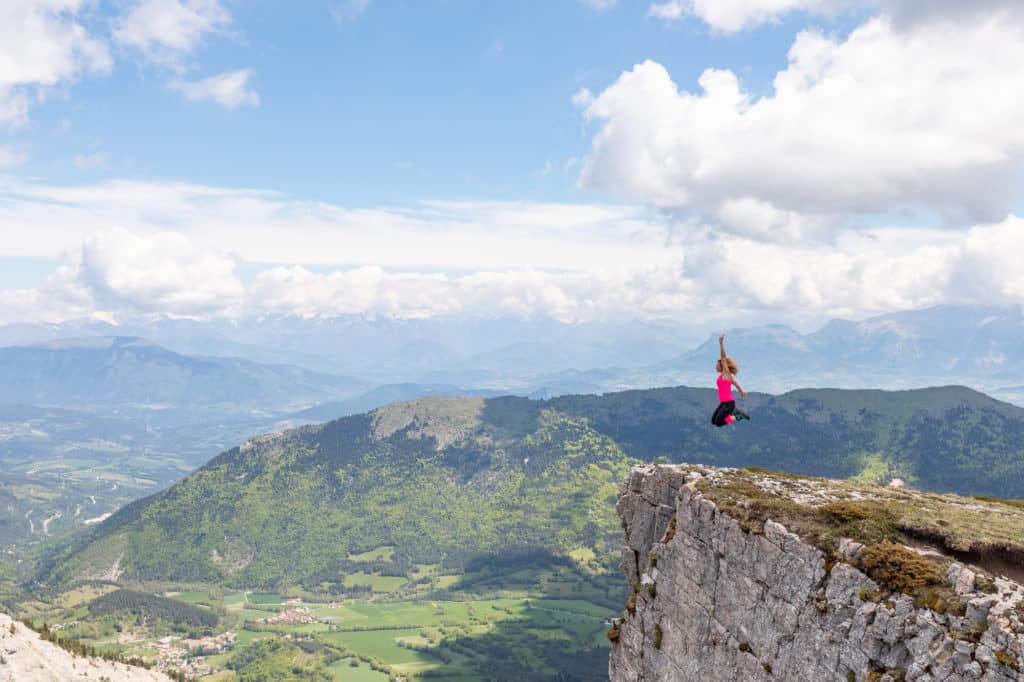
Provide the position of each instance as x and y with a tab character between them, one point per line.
460	638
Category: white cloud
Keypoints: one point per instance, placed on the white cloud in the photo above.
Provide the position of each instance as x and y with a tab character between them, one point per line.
230	89
42	45
180	248
165	31
582	98
267	227
865	273
670	11
877	123
11	157
94	160
163	272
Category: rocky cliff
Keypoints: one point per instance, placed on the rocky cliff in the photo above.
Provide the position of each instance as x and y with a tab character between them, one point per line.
24	656
747	575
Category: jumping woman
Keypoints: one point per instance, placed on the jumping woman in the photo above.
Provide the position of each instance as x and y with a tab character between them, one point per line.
727	412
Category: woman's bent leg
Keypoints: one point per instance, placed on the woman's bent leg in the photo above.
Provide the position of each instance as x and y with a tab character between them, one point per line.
723	414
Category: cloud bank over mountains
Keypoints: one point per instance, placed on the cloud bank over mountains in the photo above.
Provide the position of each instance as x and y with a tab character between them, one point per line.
881	170
202	251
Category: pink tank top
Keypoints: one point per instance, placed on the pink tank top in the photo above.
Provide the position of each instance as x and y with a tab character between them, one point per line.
724	389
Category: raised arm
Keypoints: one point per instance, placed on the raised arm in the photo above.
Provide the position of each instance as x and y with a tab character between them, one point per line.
726	374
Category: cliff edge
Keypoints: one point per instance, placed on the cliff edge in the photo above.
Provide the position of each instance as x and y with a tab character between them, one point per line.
25	656
745	574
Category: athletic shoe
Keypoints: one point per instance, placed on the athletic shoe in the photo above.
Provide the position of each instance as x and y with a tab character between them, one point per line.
740	414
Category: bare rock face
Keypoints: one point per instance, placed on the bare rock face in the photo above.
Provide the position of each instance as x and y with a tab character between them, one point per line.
25	657
713	602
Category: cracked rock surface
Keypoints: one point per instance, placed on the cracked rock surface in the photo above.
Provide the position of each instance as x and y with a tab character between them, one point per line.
731	605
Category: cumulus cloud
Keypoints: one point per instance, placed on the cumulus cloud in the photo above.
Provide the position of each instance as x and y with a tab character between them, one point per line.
117	273
568	296
230	89
43	44
880	122
164	272
166	31
181	248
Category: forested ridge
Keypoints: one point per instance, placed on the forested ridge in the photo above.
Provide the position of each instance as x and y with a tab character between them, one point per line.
461	480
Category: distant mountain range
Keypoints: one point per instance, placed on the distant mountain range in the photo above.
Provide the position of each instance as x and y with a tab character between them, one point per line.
111	371
978	346
975	346
498	353
470	480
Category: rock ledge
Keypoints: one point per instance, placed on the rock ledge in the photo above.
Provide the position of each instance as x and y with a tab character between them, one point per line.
715	600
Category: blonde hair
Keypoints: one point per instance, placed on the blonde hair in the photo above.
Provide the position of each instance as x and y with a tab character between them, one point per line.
733	367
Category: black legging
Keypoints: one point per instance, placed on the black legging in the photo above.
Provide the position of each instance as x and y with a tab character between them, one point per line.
724	409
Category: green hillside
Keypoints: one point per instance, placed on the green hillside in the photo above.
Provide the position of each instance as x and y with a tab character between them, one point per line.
945	439
442	480
460	482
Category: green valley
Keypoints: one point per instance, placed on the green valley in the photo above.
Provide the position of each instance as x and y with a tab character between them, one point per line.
450	538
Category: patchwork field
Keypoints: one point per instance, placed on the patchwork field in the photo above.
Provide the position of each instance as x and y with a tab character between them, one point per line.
461	638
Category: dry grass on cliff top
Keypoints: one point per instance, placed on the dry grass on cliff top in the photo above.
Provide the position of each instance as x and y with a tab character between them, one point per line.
824	511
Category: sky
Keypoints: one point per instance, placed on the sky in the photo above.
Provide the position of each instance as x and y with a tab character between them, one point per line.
702	160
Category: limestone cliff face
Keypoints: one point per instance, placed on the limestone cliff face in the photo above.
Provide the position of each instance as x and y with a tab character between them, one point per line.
714	602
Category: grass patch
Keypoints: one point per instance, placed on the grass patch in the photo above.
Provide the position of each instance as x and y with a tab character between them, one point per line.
190	597
264	598
381	644
379	583
379	554
344	671
873	469
582	555
870	514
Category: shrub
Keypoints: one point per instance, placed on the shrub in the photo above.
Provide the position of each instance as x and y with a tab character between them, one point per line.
940	599
849	510
613	634
867	594
652	590
897	568
656	636
983	583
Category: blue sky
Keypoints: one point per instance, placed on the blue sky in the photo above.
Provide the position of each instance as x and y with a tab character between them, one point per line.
584	159
402	101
